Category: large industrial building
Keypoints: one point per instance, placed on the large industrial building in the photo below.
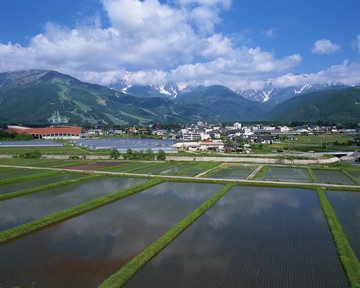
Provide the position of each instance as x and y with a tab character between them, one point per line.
54	132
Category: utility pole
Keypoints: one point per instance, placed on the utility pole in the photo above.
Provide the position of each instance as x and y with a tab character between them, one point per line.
326	142
288	144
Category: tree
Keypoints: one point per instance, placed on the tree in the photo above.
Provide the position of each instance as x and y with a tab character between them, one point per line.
114	154
149	155
128	154
161	156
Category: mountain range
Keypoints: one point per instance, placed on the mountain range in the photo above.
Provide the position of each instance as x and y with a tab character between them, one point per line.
30	97
268	93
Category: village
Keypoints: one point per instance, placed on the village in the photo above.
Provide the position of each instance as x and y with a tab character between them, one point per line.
201	136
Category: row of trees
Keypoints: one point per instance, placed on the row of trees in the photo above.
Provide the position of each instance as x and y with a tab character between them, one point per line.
148	155
5	136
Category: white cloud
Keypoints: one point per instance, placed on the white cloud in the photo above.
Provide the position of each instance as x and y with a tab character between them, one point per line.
157	41
163	42
325	46
345	73
271	33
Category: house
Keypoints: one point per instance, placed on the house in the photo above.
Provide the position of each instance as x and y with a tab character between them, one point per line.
215	145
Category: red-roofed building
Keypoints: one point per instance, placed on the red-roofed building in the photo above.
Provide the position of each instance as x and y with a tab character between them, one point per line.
56	132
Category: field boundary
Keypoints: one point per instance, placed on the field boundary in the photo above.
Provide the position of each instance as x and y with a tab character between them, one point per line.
27	228
348	259
49	186
128	270
28	177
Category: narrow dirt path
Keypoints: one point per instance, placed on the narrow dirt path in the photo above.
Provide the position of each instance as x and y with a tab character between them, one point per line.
254	172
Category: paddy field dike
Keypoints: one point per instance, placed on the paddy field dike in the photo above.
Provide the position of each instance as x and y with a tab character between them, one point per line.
126	223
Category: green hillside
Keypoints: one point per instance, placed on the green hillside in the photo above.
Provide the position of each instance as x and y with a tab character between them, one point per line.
225	103
30	97
342	105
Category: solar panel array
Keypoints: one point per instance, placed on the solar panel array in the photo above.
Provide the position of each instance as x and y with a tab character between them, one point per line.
30	144
122	144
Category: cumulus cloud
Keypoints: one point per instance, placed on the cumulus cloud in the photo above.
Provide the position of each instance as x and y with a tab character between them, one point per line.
151	42
156	41
325	46
345	73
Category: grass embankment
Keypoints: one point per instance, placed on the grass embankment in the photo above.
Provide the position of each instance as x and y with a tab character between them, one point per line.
351	177
29	177
261	172
312	175
126	272
46	221
46	187
349	261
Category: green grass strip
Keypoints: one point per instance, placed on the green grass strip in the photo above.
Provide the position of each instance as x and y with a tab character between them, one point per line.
46	187
127	271
27	228
351	177
312	175
29	177
349	261
261	172
8	169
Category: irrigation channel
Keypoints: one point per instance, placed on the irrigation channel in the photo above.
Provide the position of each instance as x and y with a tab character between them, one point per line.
201	225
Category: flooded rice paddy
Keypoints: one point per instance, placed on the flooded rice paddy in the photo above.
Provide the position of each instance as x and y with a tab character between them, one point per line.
356	175
286	175
155	169
20	173
4	189
329	176
233	172
253	237
176	169
20	210
347	209
84	251
194	171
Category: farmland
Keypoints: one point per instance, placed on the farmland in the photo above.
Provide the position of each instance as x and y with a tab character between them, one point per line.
101	222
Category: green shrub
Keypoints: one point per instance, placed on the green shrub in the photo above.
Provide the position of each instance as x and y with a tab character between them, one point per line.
33	154
114	154
74	157
161	156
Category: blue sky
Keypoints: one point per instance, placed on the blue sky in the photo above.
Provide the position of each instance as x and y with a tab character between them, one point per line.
239	44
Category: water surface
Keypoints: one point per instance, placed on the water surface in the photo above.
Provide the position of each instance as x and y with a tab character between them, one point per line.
84	251
20	210
20	173
253	237
286	174
233	172
4	189
328	176
347	209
